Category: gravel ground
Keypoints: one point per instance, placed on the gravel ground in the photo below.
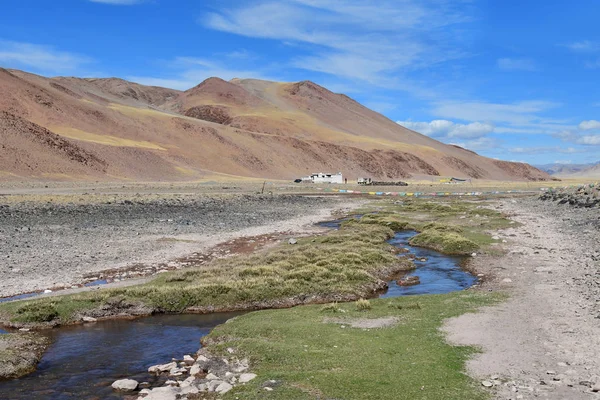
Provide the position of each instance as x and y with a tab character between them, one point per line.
544	342
50	244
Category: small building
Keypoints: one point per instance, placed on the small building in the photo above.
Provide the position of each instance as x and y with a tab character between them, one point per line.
324	178
364	181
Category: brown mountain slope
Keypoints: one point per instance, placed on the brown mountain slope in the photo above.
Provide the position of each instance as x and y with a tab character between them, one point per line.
114	129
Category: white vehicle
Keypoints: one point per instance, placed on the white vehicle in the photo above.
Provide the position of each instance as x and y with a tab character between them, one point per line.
325	178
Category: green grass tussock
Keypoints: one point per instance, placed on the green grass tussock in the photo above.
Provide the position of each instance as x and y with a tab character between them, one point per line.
445	242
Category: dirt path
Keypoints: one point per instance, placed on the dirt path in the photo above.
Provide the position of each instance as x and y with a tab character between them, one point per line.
544	342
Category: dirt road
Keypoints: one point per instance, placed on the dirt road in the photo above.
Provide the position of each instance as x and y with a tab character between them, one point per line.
544	342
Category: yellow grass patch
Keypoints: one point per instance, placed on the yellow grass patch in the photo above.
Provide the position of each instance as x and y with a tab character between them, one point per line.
107	140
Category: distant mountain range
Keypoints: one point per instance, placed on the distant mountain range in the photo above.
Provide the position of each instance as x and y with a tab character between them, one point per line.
69	128
572	170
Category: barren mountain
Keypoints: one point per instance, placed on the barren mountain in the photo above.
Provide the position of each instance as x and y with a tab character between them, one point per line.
591	170
73	128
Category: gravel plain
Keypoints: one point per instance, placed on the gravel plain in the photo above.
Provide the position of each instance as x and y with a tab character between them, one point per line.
50	243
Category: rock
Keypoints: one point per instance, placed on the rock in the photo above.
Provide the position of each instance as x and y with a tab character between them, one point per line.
47	291
188	360
223	388
162	368
551	372
203	387
163	393
596	388
125	385
408	281
292	241
473	254
89	319
171	383
507	280
244	378
195	370
213	385
487	384
211	377
144	385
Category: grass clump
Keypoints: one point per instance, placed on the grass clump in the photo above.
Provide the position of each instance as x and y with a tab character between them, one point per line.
445	242
333	308
386	219
363	305
36	312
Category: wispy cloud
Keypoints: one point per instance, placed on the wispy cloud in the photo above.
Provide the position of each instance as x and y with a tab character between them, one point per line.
584	46
441	128
39	58
516	64
190	71
480	144
543	150
119	2
523	112
352	39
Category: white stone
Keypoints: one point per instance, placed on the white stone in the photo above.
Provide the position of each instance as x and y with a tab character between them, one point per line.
163	393
487	384
292	241
47	291
269	389
246	377
212	385
188	360
125	385
89	319
162	367
223	388
473	254
507	280
211	377
195	370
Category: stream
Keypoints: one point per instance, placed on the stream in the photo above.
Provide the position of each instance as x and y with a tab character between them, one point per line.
84	360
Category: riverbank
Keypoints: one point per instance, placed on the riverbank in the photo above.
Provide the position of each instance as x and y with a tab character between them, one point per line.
544	342
20	353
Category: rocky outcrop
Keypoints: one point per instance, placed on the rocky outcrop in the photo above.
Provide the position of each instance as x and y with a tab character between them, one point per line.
190	376
586	196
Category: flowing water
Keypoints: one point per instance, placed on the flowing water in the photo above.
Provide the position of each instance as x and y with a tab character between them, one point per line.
84	360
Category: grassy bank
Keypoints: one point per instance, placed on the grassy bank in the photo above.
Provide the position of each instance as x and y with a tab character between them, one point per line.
342	265
19	353
315	352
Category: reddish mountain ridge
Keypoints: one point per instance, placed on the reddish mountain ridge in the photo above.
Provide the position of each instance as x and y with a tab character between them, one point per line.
110	129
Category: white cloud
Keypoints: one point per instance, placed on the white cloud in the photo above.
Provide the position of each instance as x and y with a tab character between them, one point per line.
516	64
588	125
519	113
591	140
543	150
190	71
584	46
442	128
351	38
118	2
479	144
40	58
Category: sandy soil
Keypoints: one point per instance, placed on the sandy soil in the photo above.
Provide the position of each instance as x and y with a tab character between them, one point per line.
45	245
544	342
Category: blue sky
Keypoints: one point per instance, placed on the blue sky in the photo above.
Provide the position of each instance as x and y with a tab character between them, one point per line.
515	80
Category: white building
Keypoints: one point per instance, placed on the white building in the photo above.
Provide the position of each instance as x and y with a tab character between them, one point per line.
326	178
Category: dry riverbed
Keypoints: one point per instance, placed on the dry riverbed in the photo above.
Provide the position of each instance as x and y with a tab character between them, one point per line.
56	244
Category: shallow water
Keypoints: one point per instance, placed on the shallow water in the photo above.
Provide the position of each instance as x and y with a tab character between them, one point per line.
19	297
440	273
85	360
